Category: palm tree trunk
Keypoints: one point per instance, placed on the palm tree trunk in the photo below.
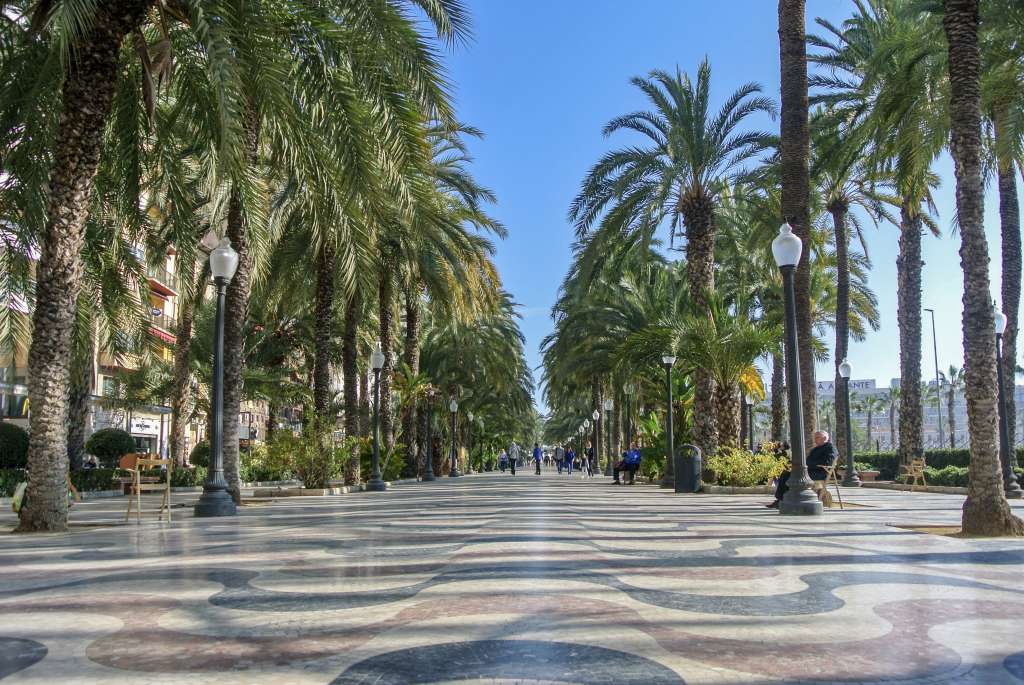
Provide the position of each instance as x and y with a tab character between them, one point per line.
778	398
698	216
322	320
87	94
986	511
892	424
1009	222
236	310
727	414
350	369
78	416
795	152
386	292
180	386
842	237
870	417
410	425
908	316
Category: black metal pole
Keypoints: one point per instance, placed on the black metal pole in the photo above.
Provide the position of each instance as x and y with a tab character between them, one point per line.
851	479
428	472
750	430
376	483
215	500
669	480
1006	456
608	438
454	473
800	498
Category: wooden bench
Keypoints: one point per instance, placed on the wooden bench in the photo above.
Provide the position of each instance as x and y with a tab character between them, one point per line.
135	464
913	474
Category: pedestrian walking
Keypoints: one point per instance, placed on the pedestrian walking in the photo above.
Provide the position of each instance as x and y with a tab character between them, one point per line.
503	460
559	457
538	454
570	457
513	457
588	461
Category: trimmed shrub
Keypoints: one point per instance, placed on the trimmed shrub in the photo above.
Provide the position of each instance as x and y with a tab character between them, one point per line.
954	476
181	477
109	445
260	465
740	468
90	480
200	455
13	446
886	462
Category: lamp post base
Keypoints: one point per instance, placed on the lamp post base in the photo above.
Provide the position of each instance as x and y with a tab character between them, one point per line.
1013	491
214	503
376	485
802	502
454	473
428	477
851	481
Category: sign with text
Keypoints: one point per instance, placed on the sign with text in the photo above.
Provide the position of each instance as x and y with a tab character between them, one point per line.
855	385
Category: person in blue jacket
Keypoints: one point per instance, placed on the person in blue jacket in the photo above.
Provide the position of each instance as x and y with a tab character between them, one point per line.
570	457
538	454
630	464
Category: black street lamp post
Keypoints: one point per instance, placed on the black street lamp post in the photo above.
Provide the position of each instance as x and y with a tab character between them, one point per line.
469	441
215	500
428	470
800	498
851	479
594	464
453	407
669	480
609	405
1006	455
376	483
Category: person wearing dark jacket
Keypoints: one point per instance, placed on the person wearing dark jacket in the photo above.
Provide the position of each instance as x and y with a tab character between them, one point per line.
823	454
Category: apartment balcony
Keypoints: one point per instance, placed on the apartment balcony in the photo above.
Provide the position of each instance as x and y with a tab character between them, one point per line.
163	326
162	281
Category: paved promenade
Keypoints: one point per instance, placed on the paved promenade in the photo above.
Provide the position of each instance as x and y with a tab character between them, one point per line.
495	579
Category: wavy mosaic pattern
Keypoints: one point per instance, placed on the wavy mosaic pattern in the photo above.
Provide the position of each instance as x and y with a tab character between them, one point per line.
491	579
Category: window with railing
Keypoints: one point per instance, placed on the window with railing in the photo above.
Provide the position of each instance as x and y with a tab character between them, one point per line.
163	320
163	276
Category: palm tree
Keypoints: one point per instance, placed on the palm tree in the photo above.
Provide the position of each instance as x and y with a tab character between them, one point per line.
892	403
691	156
986	511
870	405
953	381
826	412
885	78
1003	108
794	157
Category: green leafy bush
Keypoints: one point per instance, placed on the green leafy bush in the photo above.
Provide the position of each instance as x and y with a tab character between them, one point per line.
261	464
311	457
109	445
887	464
954	476
91	480
13	446
200	455
740	468
862	466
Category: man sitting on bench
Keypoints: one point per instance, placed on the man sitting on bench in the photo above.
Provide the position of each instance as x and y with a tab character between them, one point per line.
823	454
629	464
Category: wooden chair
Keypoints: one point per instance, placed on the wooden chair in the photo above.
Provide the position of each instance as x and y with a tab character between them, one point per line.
822	485
913	474
140	484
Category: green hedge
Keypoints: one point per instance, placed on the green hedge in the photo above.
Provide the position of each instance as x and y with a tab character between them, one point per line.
886	462
92	480
109	445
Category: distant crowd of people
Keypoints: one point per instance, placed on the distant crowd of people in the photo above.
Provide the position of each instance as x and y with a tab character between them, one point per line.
566	460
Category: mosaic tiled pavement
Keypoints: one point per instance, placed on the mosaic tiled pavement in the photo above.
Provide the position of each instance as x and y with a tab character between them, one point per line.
501	579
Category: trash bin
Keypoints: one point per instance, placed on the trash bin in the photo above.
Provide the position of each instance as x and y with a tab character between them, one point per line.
688	464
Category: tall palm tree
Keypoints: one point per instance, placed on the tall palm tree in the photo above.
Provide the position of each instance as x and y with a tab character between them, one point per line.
870	405
892	403
986	511
1003	108
690	156
953	381
885	77
794	157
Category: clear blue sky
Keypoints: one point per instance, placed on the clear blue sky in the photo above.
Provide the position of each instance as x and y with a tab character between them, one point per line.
542	78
